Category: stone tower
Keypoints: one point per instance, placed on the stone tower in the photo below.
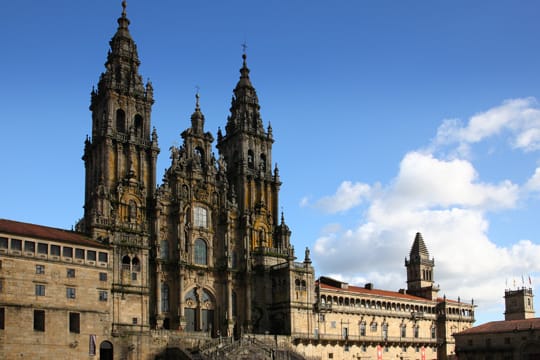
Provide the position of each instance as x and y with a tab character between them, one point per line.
120	164
519	304
420	271
260	240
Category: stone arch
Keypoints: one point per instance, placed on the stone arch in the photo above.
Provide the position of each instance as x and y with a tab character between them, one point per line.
106	350
199	311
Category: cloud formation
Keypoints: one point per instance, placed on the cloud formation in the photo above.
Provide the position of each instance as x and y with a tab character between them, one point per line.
520	118
445	199
347	196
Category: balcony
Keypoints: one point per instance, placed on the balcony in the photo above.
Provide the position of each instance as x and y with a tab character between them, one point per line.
379	339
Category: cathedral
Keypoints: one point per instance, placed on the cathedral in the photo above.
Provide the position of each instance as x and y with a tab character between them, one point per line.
201	265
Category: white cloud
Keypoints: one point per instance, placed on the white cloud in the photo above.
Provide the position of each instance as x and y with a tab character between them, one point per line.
520	118
347	196
533	184
446	200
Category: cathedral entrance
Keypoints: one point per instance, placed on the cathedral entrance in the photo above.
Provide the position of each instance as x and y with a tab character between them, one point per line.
106	351
199	311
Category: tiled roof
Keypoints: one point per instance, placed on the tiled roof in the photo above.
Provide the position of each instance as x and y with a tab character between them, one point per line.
503	327
10	227
371	291
362	290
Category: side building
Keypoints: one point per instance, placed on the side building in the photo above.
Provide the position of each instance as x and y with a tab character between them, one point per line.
515	337
364	322
55	293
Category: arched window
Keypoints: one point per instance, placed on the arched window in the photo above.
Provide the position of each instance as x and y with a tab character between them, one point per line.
126	263
120	121
135	264
164	297
138	125
200	252
250	160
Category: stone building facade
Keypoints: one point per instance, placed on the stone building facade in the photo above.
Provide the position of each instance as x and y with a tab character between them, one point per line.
358	322
204	255
516	337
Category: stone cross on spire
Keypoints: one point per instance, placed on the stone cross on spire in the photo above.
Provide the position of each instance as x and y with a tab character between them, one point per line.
124	5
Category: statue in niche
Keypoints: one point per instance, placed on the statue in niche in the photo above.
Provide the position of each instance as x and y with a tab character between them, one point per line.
132	211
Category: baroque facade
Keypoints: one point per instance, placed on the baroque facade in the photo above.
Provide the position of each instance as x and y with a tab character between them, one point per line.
204	255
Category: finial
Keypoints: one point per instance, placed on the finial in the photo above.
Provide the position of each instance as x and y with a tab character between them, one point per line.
124	5
244	56
197	97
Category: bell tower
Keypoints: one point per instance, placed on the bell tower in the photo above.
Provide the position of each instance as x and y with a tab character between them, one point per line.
263	241
420	271
120	164
247	150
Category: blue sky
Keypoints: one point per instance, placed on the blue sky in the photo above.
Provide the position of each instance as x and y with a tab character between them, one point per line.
389	117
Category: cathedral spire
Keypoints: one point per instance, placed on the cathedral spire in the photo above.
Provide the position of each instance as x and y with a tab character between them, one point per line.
245	107
122	66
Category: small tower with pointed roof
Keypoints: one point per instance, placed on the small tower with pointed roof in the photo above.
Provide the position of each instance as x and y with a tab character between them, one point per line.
420	271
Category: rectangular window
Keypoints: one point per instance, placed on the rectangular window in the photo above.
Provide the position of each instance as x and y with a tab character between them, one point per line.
91	255
40	290
42	248
3	243
2	318
403	331
79	254
74	322
134	276
40	269
55	250
29	246
134	321
103	295
70	293
70	273
103	257
102	276
39	320
373	327
433	332
16	244
200	217
333	324
164	249
363	329
1	286
67	252
416	332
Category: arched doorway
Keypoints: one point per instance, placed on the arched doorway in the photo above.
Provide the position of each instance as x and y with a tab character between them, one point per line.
106	351
199	310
